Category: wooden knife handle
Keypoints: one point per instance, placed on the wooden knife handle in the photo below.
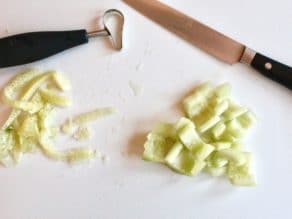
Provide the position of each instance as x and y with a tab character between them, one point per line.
273	69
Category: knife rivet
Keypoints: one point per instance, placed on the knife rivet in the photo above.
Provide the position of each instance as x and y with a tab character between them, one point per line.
268	66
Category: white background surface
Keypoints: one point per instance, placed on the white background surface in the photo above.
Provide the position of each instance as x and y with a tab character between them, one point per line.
166	68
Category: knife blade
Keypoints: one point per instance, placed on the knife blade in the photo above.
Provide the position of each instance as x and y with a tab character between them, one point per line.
212	41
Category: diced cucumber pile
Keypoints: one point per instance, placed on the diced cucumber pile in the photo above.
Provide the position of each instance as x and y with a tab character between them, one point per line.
34	96
208	139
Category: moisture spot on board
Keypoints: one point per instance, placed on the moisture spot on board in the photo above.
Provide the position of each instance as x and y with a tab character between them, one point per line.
148	50
105	159
4	30
136	89
122	97
139	66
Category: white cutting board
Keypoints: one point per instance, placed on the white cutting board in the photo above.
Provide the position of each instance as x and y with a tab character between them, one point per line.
166	68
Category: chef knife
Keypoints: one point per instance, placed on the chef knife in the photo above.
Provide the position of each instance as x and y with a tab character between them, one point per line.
211	41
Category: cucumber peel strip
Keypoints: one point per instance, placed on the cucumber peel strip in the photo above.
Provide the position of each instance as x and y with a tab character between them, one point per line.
60	81
29	126
32	86
54	98
93	115
70	156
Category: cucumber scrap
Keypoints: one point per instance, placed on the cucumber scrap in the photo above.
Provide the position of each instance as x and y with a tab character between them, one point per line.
82	133
34	97
208	139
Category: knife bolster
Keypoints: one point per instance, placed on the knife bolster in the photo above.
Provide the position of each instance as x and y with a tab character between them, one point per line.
247	56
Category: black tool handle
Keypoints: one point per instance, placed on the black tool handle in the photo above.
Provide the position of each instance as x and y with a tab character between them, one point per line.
29	47
273	69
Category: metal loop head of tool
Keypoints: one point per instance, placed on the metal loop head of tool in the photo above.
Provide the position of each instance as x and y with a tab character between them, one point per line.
113	21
